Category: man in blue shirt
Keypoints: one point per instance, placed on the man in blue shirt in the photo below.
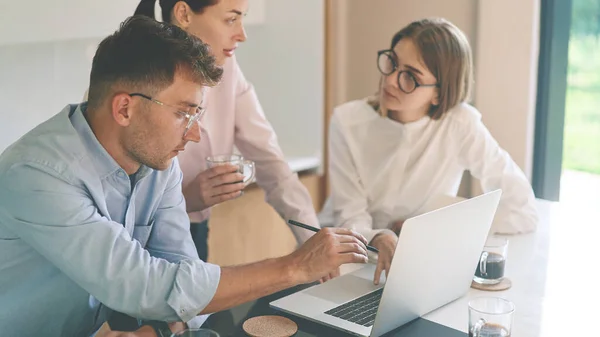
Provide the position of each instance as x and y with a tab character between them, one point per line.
92	218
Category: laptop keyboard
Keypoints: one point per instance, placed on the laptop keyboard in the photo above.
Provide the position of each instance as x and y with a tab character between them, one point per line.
361	310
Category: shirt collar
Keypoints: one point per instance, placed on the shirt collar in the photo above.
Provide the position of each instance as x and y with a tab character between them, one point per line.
104	163
411	127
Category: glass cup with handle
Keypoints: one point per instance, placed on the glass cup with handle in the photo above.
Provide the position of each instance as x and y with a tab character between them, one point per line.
245	167
196	333
492	261
490	317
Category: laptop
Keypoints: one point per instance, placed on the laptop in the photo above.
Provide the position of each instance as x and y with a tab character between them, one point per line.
434	263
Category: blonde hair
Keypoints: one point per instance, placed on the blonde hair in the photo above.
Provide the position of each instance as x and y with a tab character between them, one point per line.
447	54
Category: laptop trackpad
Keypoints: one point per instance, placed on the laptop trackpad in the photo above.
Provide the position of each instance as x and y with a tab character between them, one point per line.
342	289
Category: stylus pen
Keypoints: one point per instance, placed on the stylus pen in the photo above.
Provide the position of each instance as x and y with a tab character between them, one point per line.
315	229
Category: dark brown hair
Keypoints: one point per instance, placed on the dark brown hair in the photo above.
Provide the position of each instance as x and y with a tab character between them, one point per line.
144	55
447	55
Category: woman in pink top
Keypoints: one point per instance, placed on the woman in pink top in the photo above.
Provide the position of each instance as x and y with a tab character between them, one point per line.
233	117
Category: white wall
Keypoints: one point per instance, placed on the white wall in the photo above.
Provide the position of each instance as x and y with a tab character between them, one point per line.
46	50
60	20
37	80
284	59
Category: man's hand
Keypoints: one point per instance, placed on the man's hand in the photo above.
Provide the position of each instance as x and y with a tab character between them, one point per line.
332	274
213	186
386	244
326	251
323	252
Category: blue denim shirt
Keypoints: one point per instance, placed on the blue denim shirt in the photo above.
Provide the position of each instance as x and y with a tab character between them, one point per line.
75	237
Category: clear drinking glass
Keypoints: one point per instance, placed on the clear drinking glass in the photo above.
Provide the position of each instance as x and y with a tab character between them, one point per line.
490	317
196	333
245	167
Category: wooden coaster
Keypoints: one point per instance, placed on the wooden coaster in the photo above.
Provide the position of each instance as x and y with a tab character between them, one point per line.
270	326
506	283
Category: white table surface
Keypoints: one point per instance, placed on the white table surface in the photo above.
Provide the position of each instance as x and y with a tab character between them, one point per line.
299	164
555	274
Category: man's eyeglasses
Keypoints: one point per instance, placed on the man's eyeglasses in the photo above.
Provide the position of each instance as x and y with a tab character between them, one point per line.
387	64
194	115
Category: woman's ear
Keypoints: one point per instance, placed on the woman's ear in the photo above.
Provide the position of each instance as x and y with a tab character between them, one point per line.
182	14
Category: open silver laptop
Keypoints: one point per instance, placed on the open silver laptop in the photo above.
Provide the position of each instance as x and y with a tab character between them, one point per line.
434	262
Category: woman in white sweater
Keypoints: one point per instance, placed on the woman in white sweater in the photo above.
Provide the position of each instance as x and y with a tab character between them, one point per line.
394	154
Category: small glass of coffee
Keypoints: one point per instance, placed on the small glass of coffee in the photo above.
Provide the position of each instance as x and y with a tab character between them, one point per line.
490	317
196	333
492	262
